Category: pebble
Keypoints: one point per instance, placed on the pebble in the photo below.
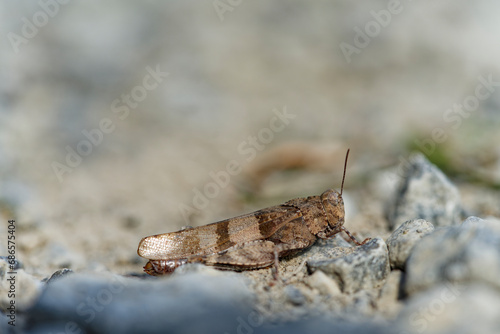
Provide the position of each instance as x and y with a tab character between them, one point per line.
402	240
4	323
452	308
365	267
17	264
58	274
323	283
27	288
325	249
294	295
321	250
189	303
425	193
321	325
389	302
466	253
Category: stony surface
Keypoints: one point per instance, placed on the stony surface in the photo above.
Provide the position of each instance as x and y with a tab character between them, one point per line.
452	308
16	264
365	267
233	67
426	193
404	238
466	253
197	298
332	277
58	274
26	287
324	284
112	303
450	273
390	300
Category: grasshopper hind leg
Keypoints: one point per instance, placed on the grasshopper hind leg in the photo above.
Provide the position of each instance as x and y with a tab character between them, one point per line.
249	255
163	267
256	254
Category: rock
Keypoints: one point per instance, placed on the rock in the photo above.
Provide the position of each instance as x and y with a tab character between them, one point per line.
473	221
25	288
99	303
324	284
466	253
365	267
58	274
402	240
11	323
388	303
452	308
294	295
425	193
17	264
325	325
326	249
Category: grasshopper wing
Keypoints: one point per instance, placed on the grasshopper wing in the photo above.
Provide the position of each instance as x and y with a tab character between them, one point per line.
216	237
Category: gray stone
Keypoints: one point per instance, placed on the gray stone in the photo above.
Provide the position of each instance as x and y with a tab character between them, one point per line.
294	295
365	267
452	308
114	304
323	283
324	249
56	328
58	274
295	265
402	240
473	221
4	323
466	253
388	302
326	325
26	288
426	193
16	264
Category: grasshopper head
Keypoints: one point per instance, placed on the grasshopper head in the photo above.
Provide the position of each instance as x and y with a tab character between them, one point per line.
333	204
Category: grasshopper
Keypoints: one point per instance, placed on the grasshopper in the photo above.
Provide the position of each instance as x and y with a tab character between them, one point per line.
251	241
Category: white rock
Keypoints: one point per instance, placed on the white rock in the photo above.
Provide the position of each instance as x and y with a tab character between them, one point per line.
365	267
452	308
26	288
466	253
402	240
115	304
426	193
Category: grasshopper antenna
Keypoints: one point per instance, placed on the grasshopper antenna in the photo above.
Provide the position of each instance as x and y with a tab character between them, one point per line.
341	190
345	166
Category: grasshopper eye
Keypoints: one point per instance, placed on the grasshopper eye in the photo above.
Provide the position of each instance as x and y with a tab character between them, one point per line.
333	204
334	198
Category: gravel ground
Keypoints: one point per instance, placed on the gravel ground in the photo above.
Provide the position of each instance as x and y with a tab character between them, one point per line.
123	120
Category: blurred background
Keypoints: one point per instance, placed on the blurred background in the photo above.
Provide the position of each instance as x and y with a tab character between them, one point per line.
122	119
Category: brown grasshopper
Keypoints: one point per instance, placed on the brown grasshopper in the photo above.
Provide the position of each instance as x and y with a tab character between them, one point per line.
251	241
